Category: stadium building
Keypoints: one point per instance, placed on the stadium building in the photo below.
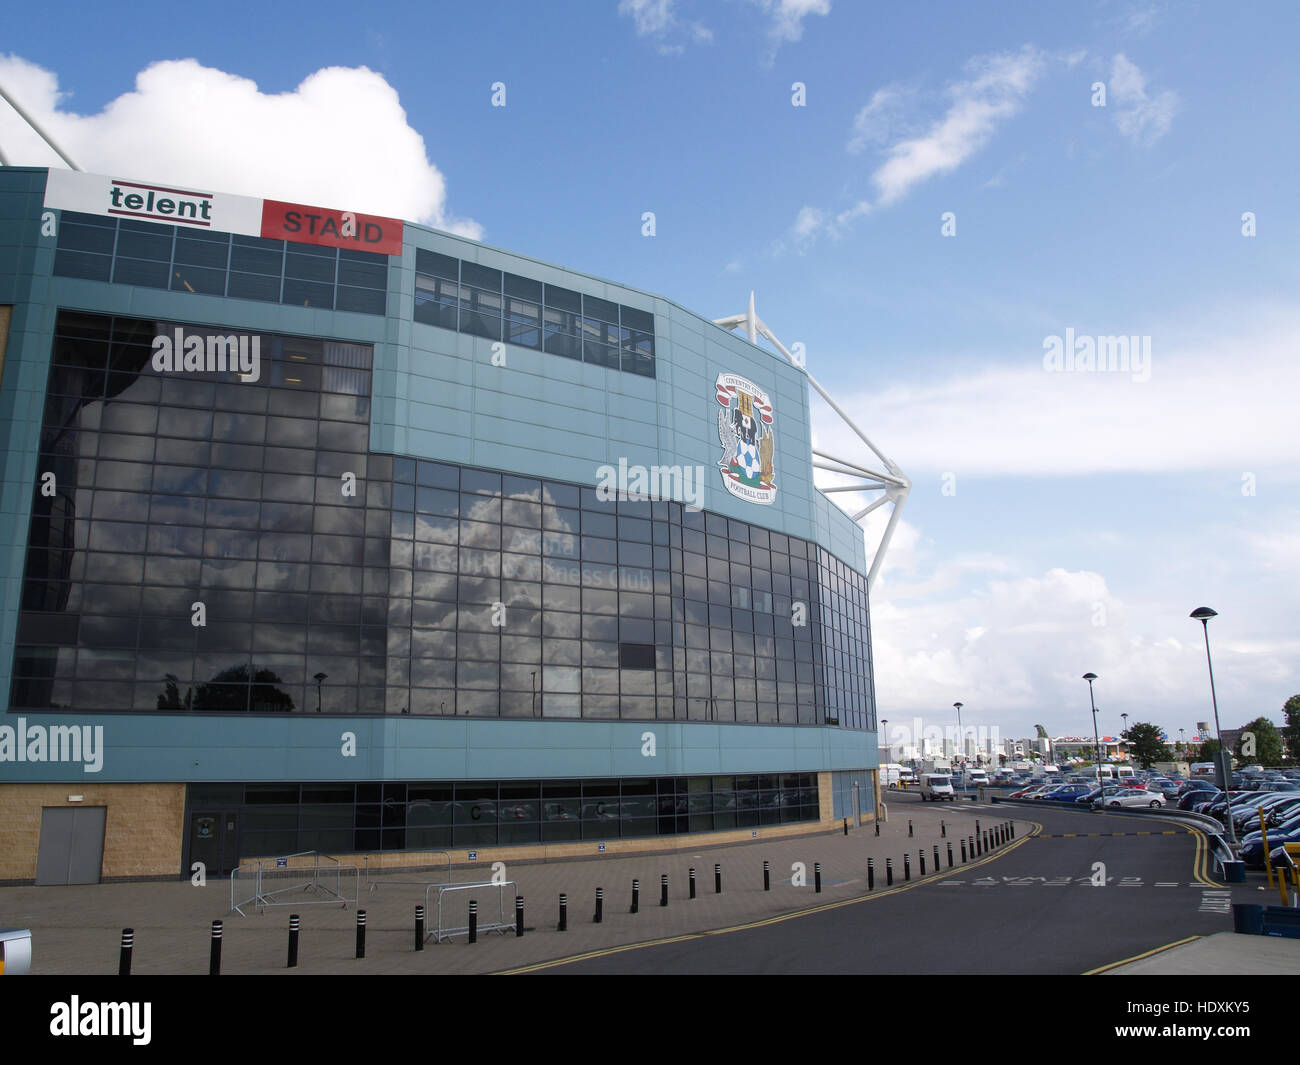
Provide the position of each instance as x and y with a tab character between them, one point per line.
325	531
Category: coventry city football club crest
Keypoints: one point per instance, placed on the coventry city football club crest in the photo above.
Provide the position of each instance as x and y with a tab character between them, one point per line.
745	429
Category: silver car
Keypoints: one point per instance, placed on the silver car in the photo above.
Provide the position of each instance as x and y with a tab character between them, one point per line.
1121	797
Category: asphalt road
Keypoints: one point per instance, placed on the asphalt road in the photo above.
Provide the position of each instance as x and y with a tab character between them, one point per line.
1034	909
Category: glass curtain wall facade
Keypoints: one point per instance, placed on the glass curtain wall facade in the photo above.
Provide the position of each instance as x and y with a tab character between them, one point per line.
288	818
337	580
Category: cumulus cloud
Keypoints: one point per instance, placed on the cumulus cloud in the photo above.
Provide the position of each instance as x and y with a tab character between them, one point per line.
340	139
1141	117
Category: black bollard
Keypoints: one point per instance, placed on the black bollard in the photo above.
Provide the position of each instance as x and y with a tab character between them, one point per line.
949	855
519	916
1013	830
692	881
663	889
871	874
936	857
717	879
295	922
817	876
361	933
419	928
921	855
907	867
600	906
889	872
636	896
473	920
972	847
767	877
977	826
963	852
214	957
877	824
846	826
124	957
943	830
909	828
563	926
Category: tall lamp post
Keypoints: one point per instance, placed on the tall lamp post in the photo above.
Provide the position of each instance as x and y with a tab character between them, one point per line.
961	744
1182	743
320	677
1090	677
1223	761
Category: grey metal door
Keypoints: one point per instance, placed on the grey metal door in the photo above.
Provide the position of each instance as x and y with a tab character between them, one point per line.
71	849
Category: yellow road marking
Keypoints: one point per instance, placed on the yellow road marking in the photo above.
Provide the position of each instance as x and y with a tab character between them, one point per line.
1139	957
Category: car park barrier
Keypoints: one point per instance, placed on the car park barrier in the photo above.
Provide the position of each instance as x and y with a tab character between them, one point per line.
500	925
263	881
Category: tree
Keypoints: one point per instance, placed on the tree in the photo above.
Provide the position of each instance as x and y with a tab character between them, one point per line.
1145	745
1207	751
1291	733
1260	743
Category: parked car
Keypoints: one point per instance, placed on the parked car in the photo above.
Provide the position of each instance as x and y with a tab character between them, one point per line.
1065	793
1122	797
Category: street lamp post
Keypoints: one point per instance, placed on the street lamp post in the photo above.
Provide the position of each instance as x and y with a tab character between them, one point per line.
320	677
1182	742
1090	677
1203	615
961	745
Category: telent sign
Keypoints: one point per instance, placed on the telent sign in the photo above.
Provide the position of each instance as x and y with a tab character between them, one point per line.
94	194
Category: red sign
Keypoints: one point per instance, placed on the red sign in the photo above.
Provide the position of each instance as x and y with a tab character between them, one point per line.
330	228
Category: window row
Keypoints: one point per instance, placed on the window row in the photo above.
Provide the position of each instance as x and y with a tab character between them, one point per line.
481	301
129	251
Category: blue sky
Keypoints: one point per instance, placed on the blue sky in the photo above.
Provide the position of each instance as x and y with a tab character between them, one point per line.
1085	513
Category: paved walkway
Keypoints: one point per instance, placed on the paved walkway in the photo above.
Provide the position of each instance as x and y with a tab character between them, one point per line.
1224	954
76	930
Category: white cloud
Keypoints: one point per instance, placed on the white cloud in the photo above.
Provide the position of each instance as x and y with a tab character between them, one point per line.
1142	118
658	20
340	139
995	93
1204	408
787	16
877	123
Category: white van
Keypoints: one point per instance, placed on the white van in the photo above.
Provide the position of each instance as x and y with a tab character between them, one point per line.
937	786
976	777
